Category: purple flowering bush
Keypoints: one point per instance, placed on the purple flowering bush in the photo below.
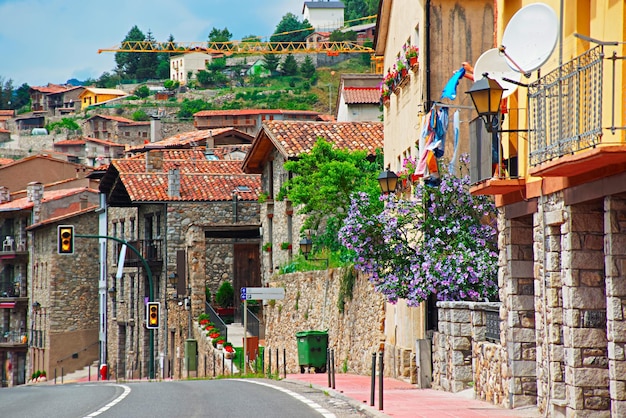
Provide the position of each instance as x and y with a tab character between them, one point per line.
441	241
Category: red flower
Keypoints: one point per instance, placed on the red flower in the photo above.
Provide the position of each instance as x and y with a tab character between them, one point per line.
229	348
214	335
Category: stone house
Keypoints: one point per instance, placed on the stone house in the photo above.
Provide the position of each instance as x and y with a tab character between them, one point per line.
278	142
91	152
195	220
5	115
49	317
429	26
561	215
359	98
46	98
118	128
248	120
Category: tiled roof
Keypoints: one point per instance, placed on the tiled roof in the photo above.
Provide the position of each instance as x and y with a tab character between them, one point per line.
189	139
240	112
103	142
50	88
110	117
324	5
24	203
97	90
10	113
75	141
200	179
295	138
359	95
5	131
4	161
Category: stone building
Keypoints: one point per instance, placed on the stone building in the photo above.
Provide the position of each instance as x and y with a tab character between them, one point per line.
561	212
49	303
439	31
194	218
278	142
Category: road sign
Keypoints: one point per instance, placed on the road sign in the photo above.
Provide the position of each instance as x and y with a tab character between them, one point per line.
256	293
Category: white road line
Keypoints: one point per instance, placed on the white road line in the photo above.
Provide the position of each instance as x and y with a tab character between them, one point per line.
112	403
323	411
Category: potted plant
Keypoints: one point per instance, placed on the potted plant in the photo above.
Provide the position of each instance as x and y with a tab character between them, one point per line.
225	299
263	197
401	66
411	55
229	350
285	246
267	247
385	94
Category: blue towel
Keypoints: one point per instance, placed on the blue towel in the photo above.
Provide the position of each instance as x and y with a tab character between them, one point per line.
449	91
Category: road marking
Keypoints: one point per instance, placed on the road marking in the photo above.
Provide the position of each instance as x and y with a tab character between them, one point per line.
323	411
112	403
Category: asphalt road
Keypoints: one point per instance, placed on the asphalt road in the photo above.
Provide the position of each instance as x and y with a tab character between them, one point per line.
250	398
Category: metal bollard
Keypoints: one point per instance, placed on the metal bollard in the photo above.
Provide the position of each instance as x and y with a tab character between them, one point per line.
55	376
61	375
285	363
269	359
380	380
332	366
328	370
223	365
214	364
277	368
373	384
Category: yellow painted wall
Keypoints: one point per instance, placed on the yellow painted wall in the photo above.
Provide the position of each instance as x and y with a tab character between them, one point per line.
89	98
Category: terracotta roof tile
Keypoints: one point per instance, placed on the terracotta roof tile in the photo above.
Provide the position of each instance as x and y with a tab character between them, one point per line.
75	141
359	95
10	113
295	138
110	117
240	112
200	179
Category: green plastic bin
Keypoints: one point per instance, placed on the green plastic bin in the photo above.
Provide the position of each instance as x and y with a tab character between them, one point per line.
312	350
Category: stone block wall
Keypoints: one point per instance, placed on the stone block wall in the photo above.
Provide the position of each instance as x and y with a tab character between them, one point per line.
461	356
311	304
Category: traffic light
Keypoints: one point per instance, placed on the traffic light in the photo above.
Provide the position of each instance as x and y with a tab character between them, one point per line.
65	235
152	315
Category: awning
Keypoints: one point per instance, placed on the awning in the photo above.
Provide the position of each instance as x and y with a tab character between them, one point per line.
7	305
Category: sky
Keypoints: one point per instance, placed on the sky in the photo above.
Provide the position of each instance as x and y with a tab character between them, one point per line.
52	41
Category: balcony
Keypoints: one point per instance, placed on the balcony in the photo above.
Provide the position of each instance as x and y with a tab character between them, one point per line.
486	149
566	105
151	250
13	339
13	247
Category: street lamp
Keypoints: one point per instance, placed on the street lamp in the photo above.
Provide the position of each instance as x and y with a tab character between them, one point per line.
172	279
306	245
387	180
486	94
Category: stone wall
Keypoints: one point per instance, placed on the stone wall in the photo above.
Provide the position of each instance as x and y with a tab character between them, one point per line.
311	304
462	357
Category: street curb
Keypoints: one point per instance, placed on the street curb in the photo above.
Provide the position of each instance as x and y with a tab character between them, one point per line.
363	407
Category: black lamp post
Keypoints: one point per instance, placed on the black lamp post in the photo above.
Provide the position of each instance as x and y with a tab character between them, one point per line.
306	245
388	180
486	94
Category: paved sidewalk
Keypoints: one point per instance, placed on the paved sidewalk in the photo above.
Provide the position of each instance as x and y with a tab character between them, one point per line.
401	399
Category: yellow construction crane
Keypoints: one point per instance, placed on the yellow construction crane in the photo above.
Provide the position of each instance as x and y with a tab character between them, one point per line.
240	47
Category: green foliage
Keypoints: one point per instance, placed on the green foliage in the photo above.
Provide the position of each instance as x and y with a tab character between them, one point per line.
220	35
140	115
65	123
171	84
339	36
142	91
189	107
289	66
225	295
323	182
307	69
217	64
355	9
271	62
251	38
290	29
346	287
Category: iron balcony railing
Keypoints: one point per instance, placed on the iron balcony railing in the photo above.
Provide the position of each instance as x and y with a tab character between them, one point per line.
151	250
565	108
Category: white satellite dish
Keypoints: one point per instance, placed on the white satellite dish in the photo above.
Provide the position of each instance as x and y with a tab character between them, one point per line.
494	64
530	37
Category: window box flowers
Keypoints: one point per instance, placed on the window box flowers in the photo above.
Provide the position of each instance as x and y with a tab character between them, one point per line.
411	56
285	246
267	247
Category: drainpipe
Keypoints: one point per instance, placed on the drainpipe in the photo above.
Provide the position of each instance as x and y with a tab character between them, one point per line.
427	45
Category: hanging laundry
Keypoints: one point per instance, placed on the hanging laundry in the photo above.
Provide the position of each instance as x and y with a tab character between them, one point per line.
456	124
436	124
449	91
